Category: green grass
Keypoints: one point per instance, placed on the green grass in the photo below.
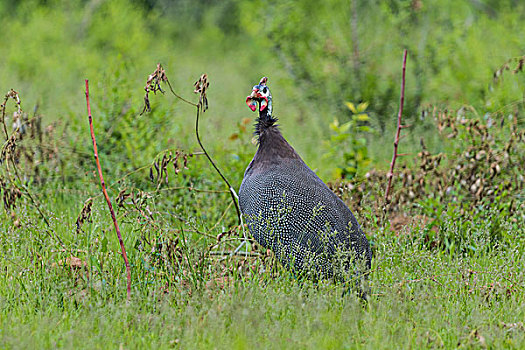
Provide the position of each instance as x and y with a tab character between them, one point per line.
454	281
422	298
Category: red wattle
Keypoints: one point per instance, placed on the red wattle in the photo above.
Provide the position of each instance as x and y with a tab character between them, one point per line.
264	104
251	103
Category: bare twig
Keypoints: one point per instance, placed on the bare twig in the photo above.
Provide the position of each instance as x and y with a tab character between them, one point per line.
153	85
520	63
35	202
190	189
178	96
8	152
14	95
222	217
201	87
103	185
229	254
233	194
390	174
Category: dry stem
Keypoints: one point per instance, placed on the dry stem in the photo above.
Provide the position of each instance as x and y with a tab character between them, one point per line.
102	183
233	194
201	88
390	174
14	95
8	149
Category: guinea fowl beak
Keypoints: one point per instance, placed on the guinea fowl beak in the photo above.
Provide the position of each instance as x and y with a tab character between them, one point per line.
256	96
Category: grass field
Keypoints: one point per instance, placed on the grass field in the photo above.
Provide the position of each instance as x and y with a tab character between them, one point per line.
449	249
422	298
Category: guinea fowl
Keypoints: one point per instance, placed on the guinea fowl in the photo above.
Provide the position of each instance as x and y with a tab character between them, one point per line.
291	211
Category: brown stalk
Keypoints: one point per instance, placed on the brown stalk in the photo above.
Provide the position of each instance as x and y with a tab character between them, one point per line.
10	144
201	87
230	188
102	183
390	174
14	95
36	203
3	118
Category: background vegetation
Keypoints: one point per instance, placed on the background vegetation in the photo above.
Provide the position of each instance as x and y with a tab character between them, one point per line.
448	249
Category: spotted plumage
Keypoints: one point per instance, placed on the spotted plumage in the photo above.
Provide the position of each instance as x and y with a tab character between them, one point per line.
291	211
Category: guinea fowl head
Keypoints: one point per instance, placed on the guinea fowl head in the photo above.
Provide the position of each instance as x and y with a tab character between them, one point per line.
272	145
260	94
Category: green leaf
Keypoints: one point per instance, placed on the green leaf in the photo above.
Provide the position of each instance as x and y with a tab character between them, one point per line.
362	117
351	106
351	170
340	137
334	125
362	106
345	127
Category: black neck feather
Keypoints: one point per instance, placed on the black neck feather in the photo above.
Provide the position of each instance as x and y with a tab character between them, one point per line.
263	122
273	147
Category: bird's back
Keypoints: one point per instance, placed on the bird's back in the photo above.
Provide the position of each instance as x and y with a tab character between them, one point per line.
290	210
